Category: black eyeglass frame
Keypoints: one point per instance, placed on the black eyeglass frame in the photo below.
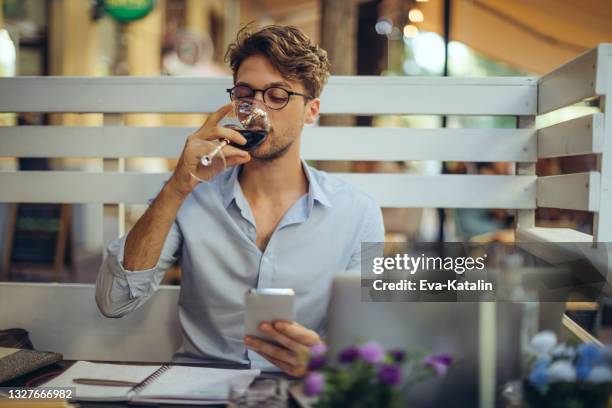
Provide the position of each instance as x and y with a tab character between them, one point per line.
263	93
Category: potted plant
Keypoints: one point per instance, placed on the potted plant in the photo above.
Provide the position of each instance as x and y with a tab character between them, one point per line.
565	376
367	375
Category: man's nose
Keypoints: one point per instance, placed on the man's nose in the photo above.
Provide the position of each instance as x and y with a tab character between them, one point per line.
260	98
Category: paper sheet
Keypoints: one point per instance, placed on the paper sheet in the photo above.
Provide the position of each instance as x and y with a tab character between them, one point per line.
85	369
179	384
197	383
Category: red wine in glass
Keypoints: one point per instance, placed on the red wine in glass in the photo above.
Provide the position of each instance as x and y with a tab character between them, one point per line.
250	119
254	138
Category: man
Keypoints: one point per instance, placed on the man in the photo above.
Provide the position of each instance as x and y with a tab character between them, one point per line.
269	220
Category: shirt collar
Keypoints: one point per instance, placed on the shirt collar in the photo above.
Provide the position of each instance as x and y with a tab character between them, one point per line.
315	190
230	187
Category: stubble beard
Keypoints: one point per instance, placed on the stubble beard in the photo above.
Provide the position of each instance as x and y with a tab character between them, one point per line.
274	148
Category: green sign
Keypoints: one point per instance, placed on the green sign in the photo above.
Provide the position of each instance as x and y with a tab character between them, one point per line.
128	10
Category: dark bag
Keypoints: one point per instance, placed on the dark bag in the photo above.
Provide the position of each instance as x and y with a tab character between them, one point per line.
18	357
15	338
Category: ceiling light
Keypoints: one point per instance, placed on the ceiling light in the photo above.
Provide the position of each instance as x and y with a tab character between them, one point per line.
416	16
410	31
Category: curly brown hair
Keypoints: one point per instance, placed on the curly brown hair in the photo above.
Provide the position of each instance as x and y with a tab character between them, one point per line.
288	49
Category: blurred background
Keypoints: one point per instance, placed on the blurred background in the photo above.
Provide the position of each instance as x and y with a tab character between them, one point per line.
468	38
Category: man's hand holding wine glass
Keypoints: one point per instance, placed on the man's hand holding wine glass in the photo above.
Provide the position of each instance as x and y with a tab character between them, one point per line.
204	140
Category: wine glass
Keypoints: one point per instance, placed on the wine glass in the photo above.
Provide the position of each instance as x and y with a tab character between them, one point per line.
250	119
211	159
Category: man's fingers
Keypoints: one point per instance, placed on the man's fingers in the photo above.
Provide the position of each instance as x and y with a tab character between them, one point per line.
236	160
286	341
297	332
215	117
215	132
235	156
287	368
277	352
294	342
231	151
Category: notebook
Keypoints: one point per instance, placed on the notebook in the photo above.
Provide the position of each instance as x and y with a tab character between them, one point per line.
171	384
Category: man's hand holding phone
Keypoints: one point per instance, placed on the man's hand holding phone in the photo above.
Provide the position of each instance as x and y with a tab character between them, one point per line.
272	332
289	347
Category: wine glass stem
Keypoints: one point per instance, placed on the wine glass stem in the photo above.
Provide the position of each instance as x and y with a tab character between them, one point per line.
208	158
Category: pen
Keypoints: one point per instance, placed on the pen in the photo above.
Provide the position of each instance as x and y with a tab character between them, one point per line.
108	383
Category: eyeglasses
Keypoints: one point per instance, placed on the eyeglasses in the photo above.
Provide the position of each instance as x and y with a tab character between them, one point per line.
274	97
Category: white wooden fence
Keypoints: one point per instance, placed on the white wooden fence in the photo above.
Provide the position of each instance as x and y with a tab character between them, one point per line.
588	76
524	98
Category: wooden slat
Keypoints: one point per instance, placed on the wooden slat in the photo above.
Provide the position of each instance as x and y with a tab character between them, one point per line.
569	83
344	94
581	306
566	246
602	221
544	235
106	141
319	143
79	187
448	191
525	218
390	190
365	143
581	78
414	95
554	245
603	81
583	135
573	332
577	191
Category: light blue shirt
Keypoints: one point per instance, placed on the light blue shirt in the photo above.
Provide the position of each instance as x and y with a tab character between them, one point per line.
213	239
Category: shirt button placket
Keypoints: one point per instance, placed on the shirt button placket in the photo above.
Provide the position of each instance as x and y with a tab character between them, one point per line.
266	269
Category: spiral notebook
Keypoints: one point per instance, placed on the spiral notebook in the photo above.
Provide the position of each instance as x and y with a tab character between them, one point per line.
173	384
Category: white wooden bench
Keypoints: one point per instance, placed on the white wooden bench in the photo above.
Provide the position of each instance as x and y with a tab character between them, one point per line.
65	318
58	315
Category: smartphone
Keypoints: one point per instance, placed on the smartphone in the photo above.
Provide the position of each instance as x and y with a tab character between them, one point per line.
267	305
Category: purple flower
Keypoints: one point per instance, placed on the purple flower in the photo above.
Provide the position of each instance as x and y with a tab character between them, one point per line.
398	355
314	384
318	349
372	352
389	374
316	362
439	363
350	354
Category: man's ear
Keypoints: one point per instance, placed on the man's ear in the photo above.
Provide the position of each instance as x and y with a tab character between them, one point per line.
312	111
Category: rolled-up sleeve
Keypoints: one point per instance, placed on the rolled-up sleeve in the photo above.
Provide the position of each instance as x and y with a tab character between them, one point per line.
120	291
